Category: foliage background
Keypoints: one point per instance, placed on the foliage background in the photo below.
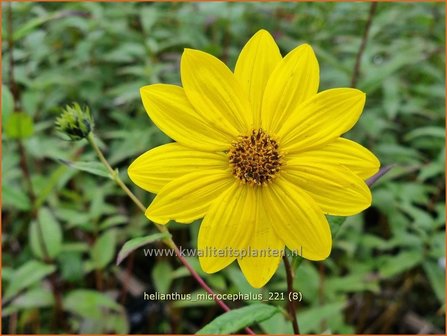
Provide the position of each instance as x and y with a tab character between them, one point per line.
386	273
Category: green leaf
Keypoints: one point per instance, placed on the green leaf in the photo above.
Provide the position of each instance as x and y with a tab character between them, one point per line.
34	298
52	181
392	265
356	282
310	319
391	101
89	304
15	198
238	319
7	103
306	281
103	250
30	25
374	78
335	222
427	131
113	221
180	272
149	17
95	168
7	273
19	125
47	243
162	276
296	262
136	243
37	297
436	276
118	323
217	281
71	266
75	247
277	324
27	275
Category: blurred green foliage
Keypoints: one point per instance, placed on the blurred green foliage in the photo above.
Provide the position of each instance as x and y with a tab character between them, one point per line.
386	273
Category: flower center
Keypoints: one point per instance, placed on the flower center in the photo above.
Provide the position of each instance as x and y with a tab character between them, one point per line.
255	158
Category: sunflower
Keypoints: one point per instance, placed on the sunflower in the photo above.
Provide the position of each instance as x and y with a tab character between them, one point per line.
258	154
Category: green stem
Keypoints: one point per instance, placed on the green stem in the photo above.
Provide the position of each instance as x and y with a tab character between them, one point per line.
168	241
115	176
114	173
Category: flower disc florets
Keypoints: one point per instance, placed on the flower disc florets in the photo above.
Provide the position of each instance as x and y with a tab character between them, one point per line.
255	158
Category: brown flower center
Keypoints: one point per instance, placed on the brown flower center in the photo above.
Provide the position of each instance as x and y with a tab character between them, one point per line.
255	158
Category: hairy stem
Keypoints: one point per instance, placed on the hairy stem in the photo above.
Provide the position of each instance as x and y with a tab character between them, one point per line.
292	308
168	241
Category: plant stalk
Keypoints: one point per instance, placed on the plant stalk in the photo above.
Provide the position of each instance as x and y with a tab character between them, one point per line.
358	59
292	308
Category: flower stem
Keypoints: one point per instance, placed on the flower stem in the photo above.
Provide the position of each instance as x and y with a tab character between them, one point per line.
292	308
114	173
168	241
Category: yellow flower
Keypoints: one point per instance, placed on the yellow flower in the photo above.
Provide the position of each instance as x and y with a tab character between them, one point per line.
258	155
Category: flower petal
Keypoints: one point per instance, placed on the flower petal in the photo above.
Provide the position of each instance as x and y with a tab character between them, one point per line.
293	81
335	188
172	112
214	92
256	62
298	220
188	198
322	119
264	249
157	167
342	152
228	223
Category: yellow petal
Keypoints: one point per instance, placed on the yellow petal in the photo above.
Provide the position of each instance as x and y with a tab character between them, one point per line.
264	247
154	169
322	119
342	152
256	62
335	188
214	92
188	198
293	81
227	225
172	112
298	220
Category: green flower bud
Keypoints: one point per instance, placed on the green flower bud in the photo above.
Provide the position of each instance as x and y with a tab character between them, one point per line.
75	122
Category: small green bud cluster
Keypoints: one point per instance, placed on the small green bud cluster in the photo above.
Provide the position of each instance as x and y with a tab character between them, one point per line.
75	122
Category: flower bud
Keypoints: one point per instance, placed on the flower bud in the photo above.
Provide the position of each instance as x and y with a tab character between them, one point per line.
75	122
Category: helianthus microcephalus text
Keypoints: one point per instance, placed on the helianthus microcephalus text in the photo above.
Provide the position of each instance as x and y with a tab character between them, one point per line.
258	155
